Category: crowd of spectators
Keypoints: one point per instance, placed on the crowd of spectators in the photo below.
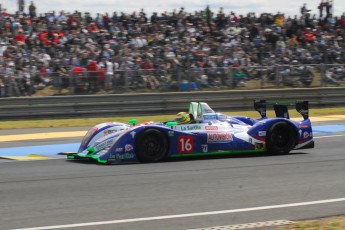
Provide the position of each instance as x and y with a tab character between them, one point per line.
155	51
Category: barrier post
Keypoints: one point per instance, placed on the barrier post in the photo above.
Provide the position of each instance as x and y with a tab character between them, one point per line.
278	77
72	83
322	74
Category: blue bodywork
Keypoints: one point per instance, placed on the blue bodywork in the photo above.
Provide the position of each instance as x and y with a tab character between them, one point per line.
210	133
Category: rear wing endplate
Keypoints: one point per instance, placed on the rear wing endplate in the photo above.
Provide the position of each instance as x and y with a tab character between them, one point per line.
281	108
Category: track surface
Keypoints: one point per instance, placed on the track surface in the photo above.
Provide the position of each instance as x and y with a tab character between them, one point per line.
61	192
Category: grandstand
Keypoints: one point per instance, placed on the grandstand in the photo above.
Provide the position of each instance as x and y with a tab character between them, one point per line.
75	53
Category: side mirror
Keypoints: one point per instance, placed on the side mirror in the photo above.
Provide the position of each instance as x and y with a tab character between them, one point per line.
132	122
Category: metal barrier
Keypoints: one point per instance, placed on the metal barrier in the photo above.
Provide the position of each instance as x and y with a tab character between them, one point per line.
158	103
17	83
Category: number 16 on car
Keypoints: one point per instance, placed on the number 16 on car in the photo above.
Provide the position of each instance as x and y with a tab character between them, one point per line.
185	144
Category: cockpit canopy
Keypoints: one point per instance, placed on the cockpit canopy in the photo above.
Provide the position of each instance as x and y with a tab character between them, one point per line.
201	111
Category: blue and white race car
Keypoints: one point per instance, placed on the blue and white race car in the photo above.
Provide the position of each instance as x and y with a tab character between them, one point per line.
209	133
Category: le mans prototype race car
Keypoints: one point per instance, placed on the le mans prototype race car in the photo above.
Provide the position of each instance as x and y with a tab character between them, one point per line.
209	133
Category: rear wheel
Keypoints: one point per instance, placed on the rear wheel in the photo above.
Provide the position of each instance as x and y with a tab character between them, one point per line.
281	138
151	146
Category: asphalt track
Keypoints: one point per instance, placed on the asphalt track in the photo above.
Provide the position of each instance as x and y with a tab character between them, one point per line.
178	194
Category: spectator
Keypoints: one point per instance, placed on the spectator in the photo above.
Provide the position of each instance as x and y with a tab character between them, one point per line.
32	10
93	70
21	5
328	5
154	50
321	6
304	9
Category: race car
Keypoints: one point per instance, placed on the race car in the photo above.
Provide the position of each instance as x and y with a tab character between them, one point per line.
208	133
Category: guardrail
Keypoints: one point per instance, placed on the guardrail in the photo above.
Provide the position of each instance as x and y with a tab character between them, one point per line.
157	103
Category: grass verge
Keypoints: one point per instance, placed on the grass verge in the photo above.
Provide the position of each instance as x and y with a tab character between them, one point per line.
81	122
329	223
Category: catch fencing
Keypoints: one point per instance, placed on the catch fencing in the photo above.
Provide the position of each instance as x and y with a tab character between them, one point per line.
18	83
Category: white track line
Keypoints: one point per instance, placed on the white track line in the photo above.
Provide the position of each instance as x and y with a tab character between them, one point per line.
185	215
319	137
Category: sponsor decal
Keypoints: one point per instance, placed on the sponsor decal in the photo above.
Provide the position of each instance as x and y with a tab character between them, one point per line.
210	117
305	135
190	127
219	137
118	150
171	133
133	134
204	148
303	126
103	151
185	144
128	147
104	144
221	117
300	132
262	133
211	127
303	111
124	156
109	131
105	137
260	146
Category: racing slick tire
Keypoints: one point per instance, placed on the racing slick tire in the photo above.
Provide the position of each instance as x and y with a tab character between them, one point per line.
151	146
281	138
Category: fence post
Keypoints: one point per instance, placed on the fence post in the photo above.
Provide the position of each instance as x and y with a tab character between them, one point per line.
322	74
10	80
71	83
230	77
179	78
278	79
262	77
126	75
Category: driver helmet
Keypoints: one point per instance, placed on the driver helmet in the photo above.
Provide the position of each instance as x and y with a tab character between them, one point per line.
182	118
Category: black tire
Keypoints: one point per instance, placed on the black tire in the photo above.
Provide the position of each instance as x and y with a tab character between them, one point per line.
281	138
151	146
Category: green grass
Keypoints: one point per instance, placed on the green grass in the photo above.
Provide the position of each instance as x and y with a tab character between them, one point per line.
82	122
331	223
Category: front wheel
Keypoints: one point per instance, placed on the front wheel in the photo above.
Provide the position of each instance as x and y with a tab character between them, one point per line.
151	146
281	138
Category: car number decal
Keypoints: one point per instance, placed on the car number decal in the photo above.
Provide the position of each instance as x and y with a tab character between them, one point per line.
185	144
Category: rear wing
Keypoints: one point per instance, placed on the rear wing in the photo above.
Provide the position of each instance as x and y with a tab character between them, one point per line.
281	108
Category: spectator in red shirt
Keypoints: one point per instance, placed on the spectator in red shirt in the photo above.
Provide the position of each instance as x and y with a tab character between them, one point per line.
20	38
92	69
342	22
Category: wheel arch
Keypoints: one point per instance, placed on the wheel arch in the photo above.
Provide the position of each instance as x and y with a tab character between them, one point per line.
290	124
294	128
151	129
